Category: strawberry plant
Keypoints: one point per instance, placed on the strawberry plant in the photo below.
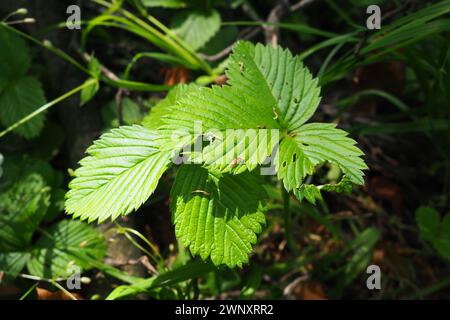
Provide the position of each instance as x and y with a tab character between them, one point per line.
218	206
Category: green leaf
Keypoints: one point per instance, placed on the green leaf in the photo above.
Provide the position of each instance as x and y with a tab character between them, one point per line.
131	113
14	57
309	192
253	282
22	208
120	174
312	192
237	150
362	247
220	108
217	216
280	81
316	143
435	230
269	88
89	91
192	269
12	263
292	164
154	119
196	27
65	245
17	100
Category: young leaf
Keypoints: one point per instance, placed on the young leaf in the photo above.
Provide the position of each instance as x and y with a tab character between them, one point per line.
91	90
217	215
120	174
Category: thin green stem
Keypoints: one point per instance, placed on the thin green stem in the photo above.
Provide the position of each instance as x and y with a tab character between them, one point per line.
51	281
287	221
49	47
26	294
47	106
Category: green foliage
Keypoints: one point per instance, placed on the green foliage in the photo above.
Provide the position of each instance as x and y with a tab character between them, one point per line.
196	27
91	90
434	229
131	113
20	95
272	89
217	209
120	174
65	245
219	203
14	58
22	209
217	215
19	99
154	119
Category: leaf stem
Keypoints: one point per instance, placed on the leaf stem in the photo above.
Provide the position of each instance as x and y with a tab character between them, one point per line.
287	221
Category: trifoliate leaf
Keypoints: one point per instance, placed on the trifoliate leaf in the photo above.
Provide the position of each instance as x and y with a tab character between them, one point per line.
217	216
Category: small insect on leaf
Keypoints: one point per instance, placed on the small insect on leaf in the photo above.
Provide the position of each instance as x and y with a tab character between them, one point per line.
201	192
236	161
275	113
241	67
